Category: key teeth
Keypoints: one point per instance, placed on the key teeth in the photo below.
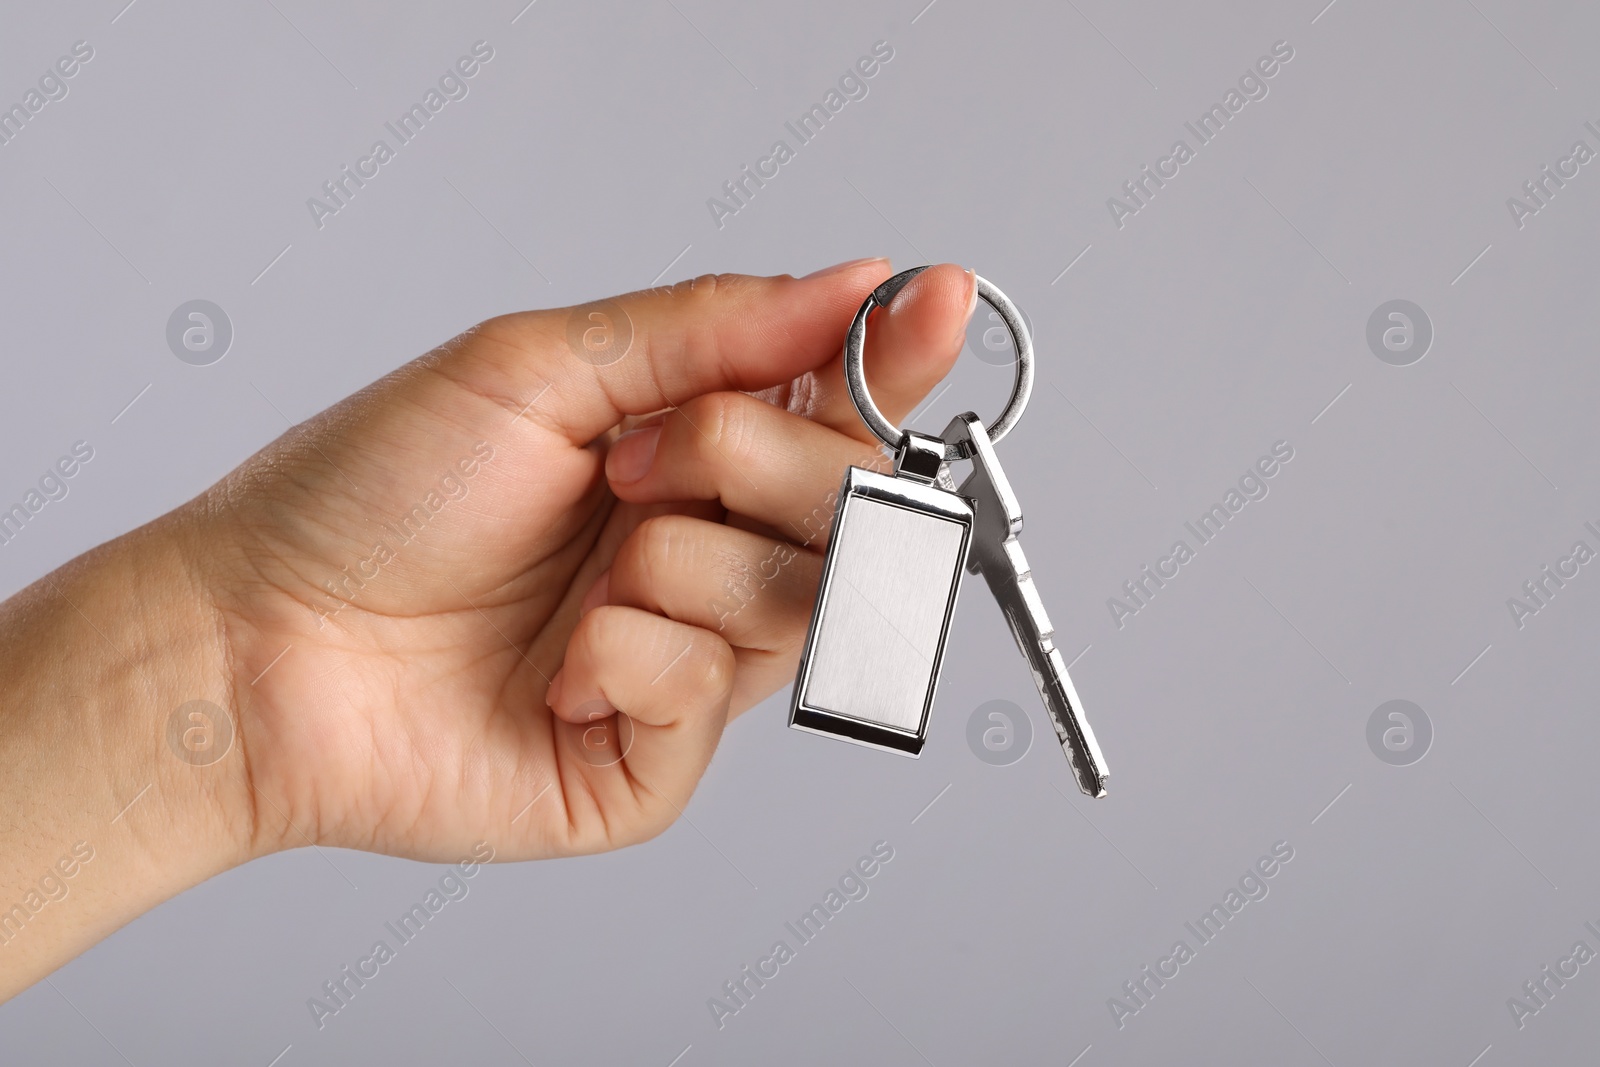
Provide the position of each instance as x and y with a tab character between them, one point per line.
1018	560
1076	741
1090	781
997	554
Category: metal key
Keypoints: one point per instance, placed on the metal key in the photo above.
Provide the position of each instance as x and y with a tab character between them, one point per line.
997	555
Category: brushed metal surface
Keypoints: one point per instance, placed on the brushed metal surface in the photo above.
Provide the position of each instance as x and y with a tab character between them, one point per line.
888	590
884	619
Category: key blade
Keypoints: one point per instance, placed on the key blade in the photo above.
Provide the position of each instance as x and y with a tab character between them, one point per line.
997	554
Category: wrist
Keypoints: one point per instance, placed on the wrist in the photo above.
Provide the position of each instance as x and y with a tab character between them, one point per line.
188	720
96	661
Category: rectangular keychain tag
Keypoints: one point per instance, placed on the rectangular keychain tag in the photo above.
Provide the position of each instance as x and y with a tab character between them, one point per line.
888	590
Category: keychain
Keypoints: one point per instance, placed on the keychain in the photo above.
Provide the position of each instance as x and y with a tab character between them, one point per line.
893	568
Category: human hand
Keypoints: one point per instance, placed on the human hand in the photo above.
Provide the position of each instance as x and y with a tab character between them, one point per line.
405	580
419	610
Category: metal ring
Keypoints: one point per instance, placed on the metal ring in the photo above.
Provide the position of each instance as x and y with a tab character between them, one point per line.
855	375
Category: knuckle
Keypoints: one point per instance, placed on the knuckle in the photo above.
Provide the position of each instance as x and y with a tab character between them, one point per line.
655	818
594	633
654	551
707	287
725	426
517	331
717	665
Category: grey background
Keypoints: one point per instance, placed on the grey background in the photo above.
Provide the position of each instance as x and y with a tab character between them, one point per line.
1225	316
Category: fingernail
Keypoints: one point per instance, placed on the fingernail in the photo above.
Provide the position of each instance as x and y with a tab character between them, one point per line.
972	293
847	265
631	455
597	594
553	693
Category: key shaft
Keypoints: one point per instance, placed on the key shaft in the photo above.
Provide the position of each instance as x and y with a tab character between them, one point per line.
997	554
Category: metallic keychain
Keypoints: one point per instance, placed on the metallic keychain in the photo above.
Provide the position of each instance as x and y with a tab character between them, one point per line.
893	568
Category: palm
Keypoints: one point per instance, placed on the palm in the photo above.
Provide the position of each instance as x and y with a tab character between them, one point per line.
408	710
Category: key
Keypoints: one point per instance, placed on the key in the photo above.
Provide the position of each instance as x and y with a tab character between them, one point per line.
997	555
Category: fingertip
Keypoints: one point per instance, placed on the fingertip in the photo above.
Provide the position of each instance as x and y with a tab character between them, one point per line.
946	292
924	330
630	457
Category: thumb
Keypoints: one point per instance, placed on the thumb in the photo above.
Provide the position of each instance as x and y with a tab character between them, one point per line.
577	371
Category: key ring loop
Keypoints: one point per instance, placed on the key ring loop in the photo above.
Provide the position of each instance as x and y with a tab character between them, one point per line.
855	375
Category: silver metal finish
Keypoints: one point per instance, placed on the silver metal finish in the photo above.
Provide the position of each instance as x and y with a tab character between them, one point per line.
888	589
920	458
997	555
855	375
889	584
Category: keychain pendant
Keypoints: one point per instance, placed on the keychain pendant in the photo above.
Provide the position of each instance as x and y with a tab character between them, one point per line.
888	591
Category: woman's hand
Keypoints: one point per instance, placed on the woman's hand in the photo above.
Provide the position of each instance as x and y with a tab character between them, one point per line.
510	593
434	603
